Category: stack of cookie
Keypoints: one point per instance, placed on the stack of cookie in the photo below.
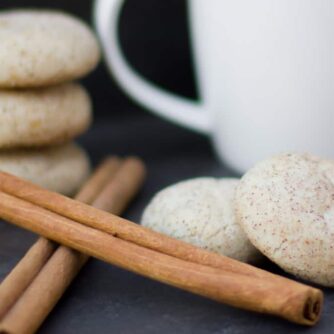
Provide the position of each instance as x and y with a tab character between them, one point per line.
41	109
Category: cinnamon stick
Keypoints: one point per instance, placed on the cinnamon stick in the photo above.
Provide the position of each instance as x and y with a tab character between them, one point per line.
12	287
58	273
123	228
291	300
23	274
103	174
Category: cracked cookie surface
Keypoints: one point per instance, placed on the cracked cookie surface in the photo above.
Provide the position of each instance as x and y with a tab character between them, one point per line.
61	168
44	47
286	207
201	211
44	116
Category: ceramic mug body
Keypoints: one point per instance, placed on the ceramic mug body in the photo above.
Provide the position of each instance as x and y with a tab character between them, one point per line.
265	71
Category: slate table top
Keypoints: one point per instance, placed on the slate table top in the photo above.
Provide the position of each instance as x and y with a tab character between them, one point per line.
105	299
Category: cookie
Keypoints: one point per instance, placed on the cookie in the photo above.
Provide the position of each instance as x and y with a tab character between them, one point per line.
62	168
44	116
40	48
201	212
286	207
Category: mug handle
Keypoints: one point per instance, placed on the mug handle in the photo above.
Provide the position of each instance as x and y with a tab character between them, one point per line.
168	105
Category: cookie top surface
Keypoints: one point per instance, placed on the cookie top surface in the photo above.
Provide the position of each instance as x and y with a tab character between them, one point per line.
40	47
61	168
43	116
286	206
201	212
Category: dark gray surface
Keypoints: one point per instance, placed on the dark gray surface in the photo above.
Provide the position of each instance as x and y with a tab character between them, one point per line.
105	299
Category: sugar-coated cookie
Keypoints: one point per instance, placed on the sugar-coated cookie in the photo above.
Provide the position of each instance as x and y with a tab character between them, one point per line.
201	212
62	168
40	47
286	207
44	116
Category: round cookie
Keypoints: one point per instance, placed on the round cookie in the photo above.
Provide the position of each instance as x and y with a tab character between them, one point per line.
286	206
201	212
40	48
62	169
44	116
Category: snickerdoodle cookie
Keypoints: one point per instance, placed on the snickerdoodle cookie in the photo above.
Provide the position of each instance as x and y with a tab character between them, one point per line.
62	169
41	47
201	212
286	207
44	116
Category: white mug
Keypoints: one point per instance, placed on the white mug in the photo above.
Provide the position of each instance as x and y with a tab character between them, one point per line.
265	71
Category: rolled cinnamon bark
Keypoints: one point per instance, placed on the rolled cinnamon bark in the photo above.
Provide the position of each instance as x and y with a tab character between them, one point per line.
12	287
291	300
58	273
24	272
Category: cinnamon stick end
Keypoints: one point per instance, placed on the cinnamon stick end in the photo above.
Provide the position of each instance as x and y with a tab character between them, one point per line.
312	309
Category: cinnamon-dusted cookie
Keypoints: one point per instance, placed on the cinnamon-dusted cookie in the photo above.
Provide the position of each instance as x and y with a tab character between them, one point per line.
62	168
44	116
201	212
286	207
42	47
